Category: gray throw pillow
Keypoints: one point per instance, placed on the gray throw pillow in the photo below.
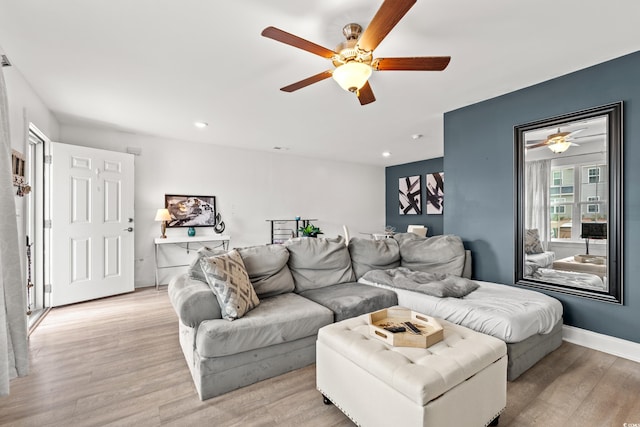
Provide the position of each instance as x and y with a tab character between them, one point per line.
229	280
532	243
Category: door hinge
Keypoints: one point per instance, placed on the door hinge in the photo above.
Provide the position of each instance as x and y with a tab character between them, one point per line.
48	159
47	289
47	223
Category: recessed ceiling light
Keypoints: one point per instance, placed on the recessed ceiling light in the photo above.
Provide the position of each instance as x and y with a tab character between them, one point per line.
386	154
201	125
416	136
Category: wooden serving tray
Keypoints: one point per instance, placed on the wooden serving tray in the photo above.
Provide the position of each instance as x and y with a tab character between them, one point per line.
431	330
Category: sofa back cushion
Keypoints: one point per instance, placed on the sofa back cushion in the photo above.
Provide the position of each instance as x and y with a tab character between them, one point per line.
195	269
437	254
268	270
319	262
368	254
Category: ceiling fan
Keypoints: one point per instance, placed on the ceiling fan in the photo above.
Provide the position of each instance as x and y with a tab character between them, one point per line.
353	58
558	142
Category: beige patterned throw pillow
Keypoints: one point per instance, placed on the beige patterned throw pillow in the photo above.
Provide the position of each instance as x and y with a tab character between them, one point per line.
230	282
532	243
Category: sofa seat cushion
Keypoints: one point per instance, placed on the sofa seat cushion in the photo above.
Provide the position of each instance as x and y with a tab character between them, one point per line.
348	300
316	263
278	319
268	270
368	254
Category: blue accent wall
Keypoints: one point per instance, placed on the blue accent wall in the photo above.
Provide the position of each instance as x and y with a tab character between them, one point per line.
480	180
393	217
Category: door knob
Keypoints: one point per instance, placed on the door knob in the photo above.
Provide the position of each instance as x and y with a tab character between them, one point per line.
129	229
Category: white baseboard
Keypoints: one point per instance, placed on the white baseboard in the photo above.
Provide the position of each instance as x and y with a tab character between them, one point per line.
616	346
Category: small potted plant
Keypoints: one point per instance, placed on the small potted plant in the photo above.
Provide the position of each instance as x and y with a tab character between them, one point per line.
310	230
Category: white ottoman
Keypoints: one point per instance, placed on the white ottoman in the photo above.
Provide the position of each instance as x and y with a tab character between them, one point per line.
460	381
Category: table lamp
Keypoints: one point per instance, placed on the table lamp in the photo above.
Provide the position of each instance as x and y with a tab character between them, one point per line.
164	216
593	230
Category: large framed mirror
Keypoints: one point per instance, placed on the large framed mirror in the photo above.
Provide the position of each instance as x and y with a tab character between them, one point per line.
569	203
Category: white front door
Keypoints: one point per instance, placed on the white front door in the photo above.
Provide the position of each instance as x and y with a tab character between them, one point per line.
91	202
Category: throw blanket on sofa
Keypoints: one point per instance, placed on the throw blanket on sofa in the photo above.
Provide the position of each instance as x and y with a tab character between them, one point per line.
434	284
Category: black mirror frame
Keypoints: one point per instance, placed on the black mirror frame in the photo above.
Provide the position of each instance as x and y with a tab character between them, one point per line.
615	208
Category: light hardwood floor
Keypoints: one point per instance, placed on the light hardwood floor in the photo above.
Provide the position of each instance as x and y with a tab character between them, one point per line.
117	361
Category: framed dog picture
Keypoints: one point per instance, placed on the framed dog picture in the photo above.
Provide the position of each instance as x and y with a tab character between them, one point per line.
191	211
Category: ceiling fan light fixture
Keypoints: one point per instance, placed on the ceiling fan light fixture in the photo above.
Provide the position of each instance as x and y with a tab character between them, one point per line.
352	75
560	145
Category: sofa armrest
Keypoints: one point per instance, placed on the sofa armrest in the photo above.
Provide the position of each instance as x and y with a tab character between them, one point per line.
193	300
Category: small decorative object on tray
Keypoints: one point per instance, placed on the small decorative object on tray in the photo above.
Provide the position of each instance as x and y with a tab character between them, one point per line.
402	327
590	259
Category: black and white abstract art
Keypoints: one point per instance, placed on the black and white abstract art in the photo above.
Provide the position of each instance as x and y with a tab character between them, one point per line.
409	195
435	193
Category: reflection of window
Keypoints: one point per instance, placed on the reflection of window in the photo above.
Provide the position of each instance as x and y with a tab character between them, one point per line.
593	208
578	188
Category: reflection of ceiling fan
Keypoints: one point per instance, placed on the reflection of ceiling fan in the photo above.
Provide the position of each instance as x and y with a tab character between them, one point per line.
558	142
353	58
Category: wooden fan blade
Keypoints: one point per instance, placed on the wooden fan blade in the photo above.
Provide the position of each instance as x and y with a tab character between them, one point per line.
365	94
295	41
389	14
308	81
542	144
420	63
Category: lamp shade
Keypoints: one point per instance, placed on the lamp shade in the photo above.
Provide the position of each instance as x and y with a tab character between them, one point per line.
352	75
163	215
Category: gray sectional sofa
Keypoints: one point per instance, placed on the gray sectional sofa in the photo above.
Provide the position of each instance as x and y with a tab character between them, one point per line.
303	285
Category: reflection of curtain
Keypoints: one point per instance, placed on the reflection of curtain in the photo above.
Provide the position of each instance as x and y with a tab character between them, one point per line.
536	204
13	318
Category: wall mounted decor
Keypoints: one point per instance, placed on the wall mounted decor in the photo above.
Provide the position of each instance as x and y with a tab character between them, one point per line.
435	193
409	195
18	167
191	211
569	190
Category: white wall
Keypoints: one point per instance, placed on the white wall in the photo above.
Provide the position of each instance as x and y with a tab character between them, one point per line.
249	186
25	106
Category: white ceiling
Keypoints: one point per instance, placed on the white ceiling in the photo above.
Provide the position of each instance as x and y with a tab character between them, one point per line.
156	66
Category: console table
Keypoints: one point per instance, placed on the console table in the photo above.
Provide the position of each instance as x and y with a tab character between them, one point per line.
186	242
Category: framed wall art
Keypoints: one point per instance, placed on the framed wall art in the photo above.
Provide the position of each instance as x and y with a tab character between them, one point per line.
409	195
190	211
435	193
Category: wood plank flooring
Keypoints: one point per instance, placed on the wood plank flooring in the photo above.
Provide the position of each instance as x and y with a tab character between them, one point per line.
117	361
